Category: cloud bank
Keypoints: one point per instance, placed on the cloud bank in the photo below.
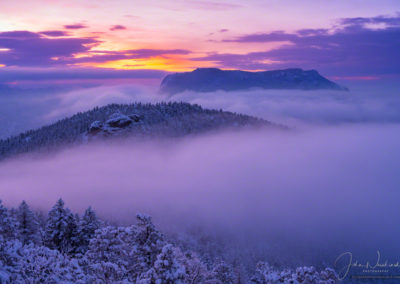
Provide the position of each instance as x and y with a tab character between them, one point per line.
370	102
362	104
292	196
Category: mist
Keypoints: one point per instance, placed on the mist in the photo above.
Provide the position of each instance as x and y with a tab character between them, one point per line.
303	196
366	102
299	196
371	102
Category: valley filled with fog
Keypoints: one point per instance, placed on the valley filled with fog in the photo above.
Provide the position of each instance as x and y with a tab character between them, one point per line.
367	102
326	185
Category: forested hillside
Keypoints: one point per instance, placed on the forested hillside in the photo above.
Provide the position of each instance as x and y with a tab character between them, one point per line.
141	120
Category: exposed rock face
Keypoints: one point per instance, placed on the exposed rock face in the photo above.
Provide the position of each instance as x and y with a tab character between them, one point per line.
117	122
213	79
95	127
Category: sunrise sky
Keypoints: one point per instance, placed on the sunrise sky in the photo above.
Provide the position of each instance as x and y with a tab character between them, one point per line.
64	39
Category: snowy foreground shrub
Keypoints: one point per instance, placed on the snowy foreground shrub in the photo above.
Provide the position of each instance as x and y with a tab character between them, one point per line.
68	248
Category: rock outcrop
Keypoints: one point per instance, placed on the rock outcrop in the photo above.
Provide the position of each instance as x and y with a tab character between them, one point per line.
116	123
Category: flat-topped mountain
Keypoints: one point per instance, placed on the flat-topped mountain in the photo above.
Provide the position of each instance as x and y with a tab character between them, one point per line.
128	120
214	79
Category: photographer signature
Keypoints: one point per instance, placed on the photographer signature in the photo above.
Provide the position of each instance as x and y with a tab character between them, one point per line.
377	266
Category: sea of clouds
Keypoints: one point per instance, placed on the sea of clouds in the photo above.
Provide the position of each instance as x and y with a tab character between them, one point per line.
328	185
371	102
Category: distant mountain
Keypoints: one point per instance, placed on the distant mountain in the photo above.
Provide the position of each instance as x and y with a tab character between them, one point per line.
213	79
139	120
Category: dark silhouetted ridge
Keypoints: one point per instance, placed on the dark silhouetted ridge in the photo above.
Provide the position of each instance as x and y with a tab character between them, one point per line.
214	79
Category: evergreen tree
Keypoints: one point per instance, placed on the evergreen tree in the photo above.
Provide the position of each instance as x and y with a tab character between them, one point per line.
196	270
167	267
87	228
224	273
57	226
109	253
148	242
72	241
28	226
39	264
8	224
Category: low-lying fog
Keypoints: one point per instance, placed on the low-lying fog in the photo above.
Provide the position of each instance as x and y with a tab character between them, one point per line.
28	108
298	196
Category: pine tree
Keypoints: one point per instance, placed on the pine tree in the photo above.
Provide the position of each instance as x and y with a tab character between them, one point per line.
8	224
224	273
109	253
87	228
28	226
196	270
57	226
148	242
39	264
72	242
167	267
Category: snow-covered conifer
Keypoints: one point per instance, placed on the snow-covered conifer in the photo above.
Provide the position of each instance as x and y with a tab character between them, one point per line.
148	244
27	226
196	270
224	273
8	224
57	226
109	253
87	226
167	267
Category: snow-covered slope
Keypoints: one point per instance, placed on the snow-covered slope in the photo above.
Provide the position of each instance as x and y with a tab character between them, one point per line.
141	120
72	248
213	79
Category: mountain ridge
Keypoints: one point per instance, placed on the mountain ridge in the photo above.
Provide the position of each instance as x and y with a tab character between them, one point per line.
214	79
171	119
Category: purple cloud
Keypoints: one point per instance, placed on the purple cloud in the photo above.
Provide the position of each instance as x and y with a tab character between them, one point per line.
26	48
223	30
353	49
268	37
117	27
75	26
390	21
10	74
18	35
55	33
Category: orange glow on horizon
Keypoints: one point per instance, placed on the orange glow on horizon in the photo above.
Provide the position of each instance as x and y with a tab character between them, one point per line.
172	64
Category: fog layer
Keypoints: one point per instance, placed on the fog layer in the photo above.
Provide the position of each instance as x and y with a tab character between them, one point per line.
314	193
376	102
328	185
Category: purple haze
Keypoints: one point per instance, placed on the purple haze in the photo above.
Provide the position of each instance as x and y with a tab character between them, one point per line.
315	193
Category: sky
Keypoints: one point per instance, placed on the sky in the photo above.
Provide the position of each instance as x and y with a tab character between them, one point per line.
60	57
94	40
